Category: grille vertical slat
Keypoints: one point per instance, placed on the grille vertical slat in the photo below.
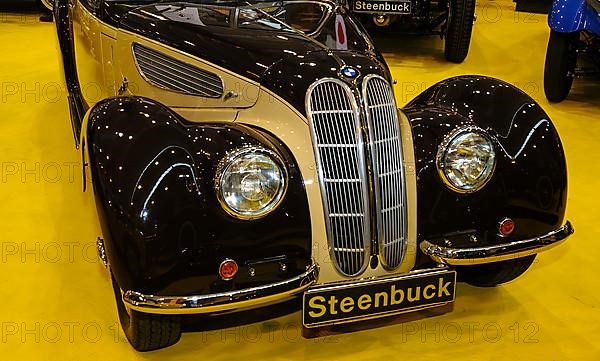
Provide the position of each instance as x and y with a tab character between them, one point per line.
166	72
336	130
386	148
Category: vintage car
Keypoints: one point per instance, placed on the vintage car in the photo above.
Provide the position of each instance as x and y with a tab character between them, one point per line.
573	47
244	154
450	19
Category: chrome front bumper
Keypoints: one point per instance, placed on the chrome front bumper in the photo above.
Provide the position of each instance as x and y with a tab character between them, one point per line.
226	301
501	252
280	291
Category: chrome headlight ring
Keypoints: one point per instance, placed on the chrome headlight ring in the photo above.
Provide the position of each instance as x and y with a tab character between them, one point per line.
250	182
466	159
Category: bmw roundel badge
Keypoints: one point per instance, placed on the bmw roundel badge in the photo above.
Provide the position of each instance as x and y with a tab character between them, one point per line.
349	72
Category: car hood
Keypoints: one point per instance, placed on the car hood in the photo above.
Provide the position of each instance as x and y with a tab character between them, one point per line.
275	44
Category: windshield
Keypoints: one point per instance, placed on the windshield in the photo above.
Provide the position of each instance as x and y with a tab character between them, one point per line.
305	16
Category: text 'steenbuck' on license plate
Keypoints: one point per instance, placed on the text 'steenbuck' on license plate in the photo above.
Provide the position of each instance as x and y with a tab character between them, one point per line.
381	7
328	305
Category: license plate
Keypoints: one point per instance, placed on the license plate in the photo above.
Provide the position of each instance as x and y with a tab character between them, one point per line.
381	7
349	302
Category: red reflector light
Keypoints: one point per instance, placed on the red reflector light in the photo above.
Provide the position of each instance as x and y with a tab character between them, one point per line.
506	226
228	269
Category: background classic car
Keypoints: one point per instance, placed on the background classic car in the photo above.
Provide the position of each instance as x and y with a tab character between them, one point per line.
450	19
241	154
573	48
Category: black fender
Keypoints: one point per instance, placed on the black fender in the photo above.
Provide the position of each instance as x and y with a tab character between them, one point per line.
165	231
529	184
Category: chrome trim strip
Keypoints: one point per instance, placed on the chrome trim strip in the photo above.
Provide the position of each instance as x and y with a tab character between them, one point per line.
336	136
225	301
496	253
385	141
102	251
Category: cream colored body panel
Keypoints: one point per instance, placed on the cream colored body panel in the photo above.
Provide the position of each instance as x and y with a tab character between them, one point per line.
94	54
212	115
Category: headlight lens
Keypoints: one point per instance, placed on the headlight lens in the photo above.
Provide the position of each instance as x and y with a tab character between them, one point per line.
467	160
251	182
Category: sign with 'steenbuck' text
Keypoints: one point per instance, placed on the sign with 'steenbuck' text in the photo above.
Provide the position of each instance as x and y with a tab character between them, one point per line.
326	305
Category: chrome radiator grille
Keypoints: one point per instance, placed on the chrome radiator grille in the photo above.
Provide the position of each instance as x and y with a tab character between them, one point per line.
335	122
336	130
386	150
168	73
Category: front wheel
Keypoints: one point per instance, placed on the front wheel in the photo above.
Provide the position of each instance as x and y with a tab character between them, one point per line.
559	70
494	274
145	331
461	14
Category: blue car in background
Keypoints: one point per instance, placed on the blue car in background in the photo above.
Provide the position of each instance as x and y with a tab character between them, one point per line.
574	44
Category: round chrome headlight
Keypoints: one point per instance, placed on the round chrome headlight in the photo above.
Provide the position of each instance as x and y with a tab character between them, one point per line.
466	160
251	182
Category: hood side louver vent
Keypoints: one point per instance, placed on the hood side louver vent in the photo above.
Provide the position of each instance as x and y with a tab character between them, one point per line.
169	73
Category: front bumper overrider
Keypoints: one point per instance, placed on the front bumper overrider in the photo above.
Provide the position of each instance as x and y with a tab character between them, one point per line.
225	301
496	253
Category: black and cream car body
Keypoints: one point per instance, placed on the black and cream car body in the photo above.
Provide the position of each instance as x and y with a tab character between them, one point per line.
238	156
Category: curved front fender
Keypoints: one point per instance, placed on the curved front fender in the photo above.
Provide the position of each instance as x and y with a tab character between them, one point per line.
529	184
165	230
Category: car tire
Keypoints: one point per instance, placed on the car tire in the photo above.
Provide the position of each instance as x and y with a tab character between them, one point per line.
145	331
461	14
494	274
559	69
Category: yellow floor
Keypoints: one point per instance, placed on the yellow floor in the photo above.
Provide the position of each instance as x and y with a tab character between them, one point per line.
57	303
